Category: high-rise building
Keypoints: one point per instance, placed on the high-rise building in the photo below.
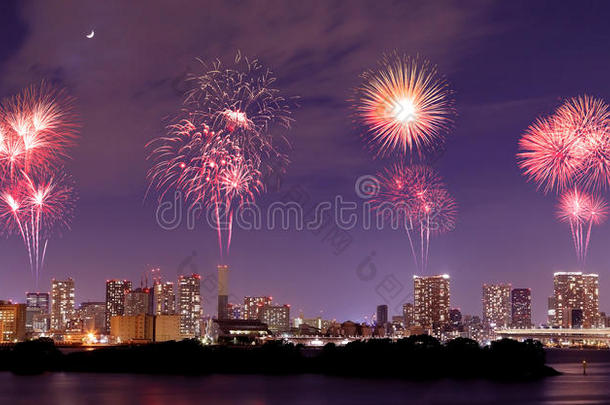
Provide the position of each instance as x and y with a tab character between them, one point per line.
407	314
496	305
253	306
93	316
455	318
115	299
550	313
521	306
137	302
165	298
36	306
432	301
223	291
576	291
277	317
189	298
62	303
12	321
382	315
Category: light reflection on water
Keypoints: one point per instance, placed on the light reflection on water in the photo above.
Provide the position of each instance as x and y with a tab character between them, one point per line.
118	389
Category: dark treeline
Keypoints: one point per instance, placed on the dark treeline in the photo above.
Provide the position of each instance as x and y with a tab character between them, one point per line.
415	357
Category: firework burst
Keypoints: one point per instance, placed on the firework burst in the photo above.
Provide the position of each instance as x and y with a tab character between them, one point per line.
405	105
224	144
37	127
570	150
416	197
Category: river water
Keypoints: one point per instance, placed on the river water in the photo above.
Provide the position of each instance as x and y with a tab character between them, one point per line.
119	389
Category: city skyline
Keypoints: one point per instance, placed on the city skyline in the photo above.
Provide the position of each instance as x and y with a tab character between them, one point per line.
506	232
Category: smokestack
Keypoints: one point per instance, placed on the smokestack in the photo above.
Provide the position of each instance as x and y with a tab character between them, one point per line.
223	291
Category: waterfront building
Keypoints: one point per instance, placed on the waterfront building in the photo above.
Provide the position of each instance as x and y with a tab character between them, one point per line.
164	298
115	298
62	304
432	301
37	306
496	306
521	307
576	291
407	314
382	315
276	317
138	302
189	304
12	321
93	316
254	305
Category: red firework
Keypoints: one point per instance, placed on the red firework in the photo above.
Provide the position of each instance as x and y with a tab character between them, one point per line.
405	105
581	211
417	196
589	119
551	154
35	206
37	127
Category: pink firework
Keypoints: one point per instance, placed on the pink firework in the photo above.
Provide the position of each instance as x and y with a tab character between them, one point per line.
222	147
37	127
581	211
405	105
416	195
551	154
35	206
589	119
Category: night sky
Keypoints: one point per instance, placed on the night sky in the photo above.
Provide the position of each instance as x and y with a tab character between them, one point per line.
507	63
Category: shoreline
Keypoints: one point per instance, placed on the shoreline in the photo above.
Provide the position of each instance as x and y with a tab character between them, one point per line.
415	358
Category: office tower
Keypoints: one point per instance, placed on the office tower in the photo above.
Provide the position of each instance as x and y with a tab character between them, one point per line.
254	305
575	290
496	305
521	307
12	321
115	299
137	302
590	310
407	314
223	291
277	317
189	299
432	301
37	305
550	313
455	317
62	303
382	315
93	316
165	298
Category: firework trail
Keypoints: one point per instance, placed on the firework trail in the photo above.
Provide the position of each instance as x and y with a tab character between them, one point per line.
581	211
570	150
405	105
416	196
224	143
37	127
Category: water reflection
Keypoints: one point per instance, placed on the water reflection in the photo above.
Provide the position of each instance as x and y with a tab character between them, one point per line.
116	389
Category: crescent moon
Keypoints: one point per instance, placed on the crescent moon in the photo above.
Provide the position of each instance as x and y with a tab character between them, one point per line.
90	35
